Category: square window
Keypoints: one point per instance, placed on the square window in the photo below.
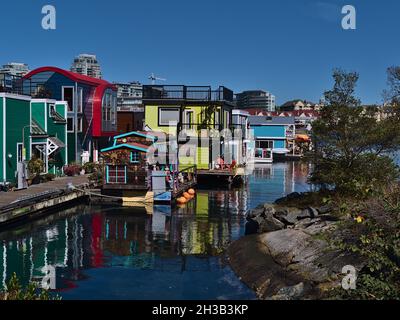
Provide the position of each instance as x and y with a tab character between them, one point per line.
135	157
168	116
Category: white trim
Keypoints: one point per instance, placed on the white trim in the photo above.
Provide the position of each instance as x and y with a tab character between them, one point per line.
44	100
45	117
4	138
15	96
22	152
270	138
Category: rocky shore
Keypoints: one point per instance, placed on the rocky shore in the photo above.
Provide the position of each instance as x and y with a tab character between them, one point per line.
285	254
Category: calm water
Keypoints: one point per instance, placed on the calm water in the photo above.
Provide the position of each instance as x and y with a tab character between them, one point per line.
103	252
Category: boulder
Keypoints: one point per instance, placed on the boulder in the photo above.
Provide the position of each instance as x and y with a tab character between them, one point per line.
283	243
290	293
269	224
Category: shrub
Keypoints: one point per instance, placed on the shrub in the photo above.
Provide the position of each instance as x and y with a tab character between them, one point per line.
373	233
91	167
35	166
72	170
14	291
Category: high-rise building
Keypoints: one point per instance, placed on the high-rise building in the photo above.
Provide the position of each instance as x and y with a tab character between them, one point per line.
15	69
87	64
130	110
252	99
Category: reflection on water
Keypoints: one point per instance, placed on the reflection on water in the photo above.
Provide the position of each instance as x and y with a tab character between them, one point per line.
123	253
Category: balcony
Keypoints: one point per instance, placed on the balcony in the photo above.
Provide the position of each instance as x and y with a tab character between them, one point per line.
187	93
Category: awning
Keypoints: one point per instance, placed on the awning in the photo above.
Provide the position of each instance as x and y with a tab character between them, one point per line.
36	129
57	142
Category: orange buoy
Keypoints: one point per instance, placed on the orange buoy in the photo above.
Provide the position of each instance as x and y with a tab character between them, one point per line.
182	200
187	195
191	192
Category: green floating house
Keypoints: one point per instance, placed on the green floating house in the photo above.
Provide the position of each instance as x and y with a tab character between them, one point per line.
31	128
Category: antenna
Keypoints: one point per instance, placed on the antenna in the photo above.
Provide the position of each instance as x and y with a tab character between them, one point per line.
154	78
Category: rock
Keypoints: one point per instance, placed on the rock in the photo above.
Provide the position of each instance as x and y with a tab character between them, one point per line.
269	224
289	216
290	196
325	209
251	227
282	244
290	293
255	213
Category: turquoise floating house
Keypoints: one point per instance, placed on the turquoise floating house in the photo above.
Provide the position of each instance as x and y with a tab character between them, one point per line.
274	137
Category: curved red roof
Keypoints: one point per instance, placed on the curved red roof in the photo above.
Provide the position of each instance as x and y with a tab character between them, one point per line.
100	87
71	75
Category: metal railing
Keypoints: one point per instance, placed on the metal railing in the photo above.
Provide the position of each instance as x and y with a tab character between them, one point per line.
180	92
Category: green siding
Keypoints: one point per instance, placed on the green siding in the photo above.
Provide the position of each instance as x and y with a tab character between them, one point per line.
17	117
1	139
38	113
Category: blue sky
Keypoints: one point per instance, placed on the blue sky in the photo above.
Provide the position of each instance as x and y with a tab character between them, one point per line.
288	47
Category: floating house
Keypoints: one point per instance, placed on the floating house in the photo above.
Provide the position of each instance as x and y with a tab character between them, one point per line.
31	128
133	173
274	137
195	112
92	108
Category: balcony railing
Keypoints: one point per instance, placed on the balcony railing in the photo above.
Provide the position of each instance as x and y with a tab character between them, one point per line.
191	93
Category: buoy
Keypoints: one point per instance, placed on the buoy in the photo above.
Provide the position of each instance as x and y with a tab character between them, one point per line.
191	192
187	195
182	200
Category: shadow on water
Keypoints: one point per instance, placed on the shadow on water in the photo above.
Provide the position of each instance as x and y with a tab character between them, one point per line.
105	252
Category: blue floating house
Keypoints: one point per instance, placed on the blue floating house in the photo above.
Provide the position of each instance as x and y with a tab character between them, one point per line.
274	137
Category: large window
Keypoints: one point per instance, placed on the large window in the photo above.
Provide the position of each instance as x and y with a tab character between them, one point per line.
264	144
68	96
188	119
168	116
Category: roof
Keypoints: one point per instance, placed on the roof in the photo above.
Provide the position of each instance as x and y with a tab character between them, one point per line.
130	145
71	75
36	129
262	120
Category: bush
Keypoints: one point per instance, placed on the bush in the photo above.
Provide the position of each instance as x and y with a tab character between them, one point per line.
372	232
14	291
35	166
91	167
72	170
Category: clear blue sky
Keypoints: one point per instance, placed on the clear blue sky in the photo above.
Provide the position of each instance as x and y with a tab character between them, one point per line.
288	47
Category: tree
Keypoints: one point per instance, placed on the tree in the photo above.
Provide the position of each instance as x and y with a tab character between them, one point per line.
351	143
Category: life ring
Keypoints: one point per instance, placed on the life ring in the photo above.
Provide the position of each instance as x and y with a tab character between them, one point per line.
187	195
191	192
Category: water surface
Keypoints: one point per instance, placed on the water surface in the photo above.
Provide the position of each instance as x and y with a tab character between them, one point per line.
108	252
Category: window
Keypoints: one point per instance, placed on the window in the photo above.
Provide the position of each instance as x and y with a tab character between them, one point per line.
52	110
19	153
264	144
188	119
68	96
135	157
216	117
168	116
70	125
80	100
80	124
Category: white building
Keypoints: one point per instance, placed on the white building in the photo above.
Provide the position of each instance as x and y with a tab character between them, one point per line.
87	64
15	69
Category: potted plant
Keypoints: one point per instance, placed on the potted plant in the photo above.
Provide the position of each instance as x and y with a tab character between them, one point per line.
35	168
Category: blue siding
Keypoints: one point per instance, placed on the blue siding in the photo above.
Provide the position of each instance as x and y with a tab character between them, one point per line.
269	131
279	144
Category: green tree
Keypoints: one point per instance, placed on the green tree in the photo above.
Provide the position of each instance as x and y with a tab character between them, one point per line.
352	142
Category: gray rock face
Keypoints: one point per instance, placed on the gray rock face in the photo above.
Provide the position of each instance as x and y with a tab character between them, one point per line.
290	293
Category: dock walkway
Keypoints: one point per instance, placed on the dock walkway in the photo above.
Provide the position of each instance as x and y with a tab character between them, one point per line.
18	204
